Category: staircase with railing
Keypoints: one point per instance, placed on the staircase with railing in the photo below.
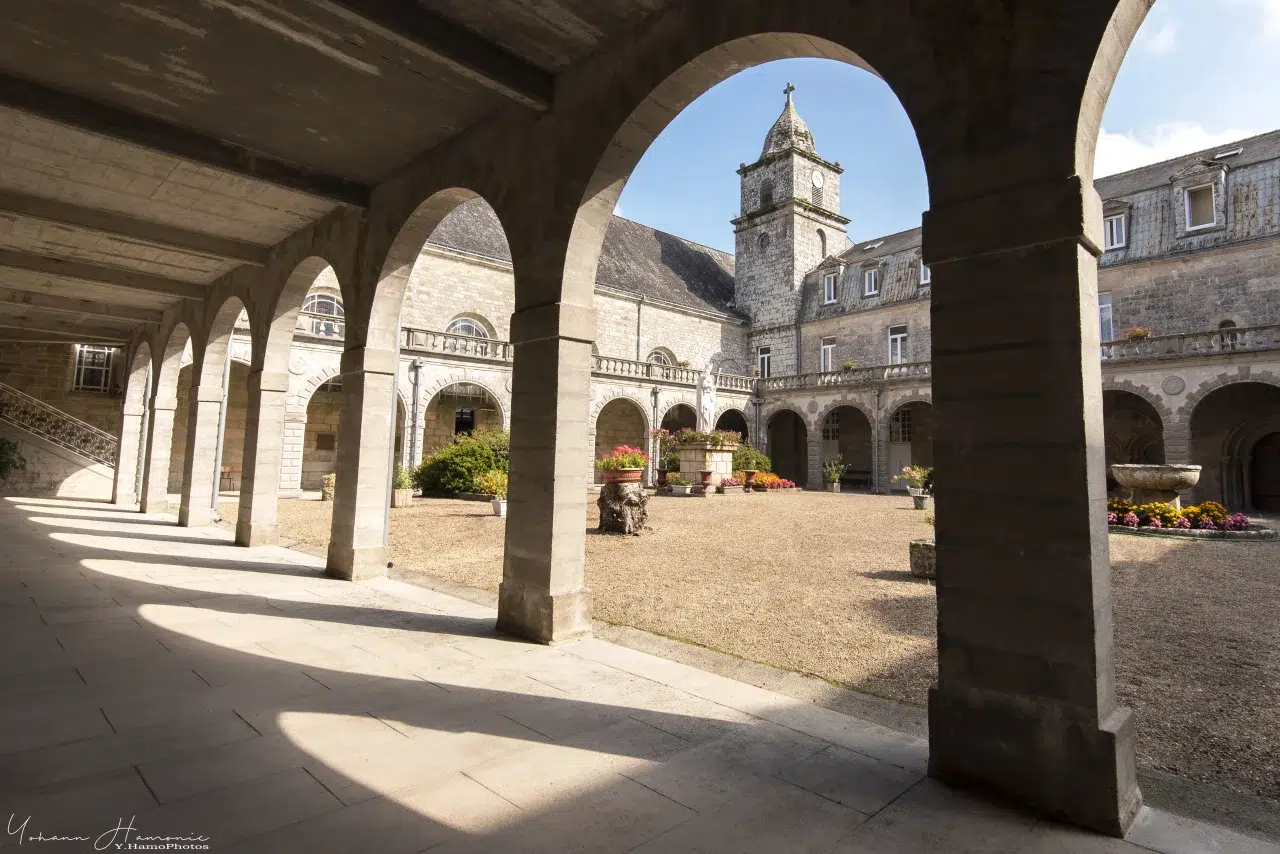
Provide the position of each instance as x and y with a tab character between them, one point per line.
53	425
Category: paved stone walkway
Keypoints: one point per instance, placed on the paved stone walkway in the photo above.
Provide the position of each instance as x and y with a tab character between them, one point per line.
162	676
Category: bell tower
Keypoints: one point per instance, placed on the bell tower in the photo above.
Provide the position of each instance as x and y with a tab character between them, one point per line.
790	222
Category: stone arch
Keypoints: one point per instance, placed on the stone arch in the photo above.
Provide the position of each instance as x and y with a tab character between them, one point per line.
1133	428
1243	375
298	403
669	408
733	423
617	394
820	418
618	419
1225	418
788	444
1157	402
310	273
428	391
918	451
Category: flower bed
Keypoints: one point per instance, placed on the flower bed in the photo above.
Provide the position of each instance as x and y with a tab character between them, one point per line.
766	481
1208	519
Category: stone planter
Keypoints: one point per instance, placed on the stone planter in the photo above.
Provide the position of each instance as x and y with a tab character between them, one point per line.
924	562
729	490
922	502
402	497
623	507
681	490
1150	483
706	478
695	459
499	506
623	475
833	486
750	475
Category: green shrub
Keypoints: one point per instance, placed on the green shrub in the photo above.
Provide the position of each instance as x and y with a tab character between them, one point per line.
497	440
10	459
404	480
747	457
454	468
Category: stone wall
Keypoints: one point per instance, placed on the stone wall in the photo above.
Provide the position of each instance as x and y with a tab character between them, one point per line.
46	372
53	470
322	430
863	337
439	417
446	285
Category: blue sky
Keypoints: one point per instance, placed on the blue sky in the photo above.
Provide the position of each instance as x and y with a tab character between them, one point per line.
1201	72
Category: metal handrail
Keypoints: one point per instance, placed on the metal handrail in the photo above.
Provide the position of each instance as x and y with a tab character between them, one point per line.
50	423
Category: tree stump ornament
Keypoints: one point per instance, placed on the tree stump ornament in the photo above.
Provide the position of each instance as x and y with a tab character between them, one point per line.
623	508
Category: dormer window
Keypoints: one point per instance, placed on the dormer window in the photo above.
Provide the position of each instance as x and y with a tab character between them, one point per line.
871	282
828	288
1202	210
1114	232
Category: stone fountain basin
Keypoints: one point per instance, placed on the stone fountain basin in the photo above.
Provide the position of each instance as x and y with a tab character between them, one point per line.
1156	478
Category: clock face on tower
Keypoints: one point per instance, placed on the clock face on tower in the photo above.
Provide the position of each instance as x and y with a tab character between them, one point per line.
817	179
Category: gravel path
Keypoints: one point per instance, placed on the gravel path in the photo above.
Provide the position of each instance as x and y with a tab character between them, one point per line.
818	583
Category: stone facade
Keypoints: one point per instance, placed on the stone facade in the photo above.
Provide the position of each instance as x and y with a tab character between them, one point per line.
47	372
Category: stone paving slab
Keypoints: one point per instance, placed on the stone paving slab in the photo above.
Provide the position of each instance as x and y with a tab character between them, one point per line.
163	675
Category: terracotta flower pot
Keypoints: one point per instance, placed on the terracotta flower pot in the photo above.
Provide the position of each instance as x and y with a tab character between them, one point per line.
706	478
751	477
662	477
623	475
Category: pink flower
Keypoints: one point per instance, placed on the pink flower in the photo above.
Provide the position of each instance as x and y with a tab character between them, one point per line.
1206	524
1112	519
1183	523
1154	523
1131	519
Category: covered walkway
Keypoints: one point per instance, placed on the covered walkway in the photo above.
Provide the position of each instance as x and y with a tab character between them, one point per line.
161	673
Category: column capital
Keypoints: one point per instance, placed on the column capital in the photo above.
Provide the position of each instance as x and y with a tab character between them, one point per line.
370	361
168	402
1015	218
557	320
208	394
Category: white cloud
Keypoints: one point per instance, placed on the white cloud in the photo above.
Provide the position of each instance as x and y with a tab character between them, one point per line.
1162	41
1270	12
1119	152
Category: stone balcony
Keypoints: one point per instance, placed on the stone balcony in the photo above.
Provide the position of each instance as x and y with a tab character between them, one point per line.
1216	342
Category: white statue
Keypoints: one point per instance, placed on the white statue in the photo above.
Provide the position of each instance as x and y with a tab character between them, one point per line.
707	401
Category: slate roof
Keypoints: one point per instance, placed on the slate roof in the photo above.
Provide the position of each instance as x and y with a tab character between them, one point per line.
889	244
788	132
1257	149
635	258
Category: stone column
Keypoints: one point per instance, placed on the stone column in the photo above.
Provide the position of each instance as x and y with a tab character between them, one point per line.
357	547
814	463
198	476
155	480
1025	702
291	450
263	445
542	596
125	489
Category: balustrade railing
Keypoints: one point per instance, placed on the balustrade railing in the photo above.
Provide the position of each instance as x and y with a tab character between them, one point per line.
54	425
448	344
852	377
1216	342
321	325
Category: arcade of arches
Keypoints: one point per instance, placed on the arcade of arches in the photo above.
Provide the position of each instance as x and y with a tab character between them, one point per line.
1006	99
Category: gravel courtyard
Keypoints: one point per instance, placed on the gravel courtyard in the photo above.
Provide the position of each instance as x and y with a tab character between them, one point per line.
818	583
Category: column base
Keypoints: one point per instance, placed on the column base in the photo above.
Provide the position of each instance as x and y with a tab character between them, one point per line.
126	499
252	536
1037	753
541	617
196	517
356	564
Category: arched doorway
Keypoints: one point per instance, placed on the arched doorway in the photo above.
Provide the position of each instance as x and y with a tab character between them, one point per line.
789	447
1132	429
1264	474
621	422
846	433
910	440
735	421
680	417
320	434
1231	431
456	409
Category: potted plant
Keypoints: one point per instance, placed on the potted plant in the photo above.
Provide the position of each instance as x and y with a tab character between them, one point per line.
494	482
730	486
402	494
662	477
625	465
1137	333
327	484
832	470
706	478
848	366
679	485
914	477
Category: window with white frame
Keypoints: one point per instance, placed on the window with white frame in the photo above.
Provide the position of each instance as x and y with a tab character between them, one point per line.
466	326
1114	232
1106	326
1202	212
831	427
926	275
900	426
764	360
897	345
323	315
93	367
827	356
658	357
828	288
871	282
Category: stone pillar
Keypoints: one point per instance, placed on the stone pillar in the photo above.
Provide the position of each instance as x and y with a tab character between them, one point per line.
1025	702
155	480
125	489
357	544
814	463
291	450
263	445
542	596
199	478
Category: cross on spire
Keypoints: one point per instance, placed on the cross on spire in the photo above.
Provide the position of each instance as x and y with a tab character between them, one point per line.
787	91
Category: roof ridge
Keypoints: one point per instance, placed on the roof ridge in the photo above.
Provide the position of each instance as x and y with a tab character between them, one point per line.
1224	146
